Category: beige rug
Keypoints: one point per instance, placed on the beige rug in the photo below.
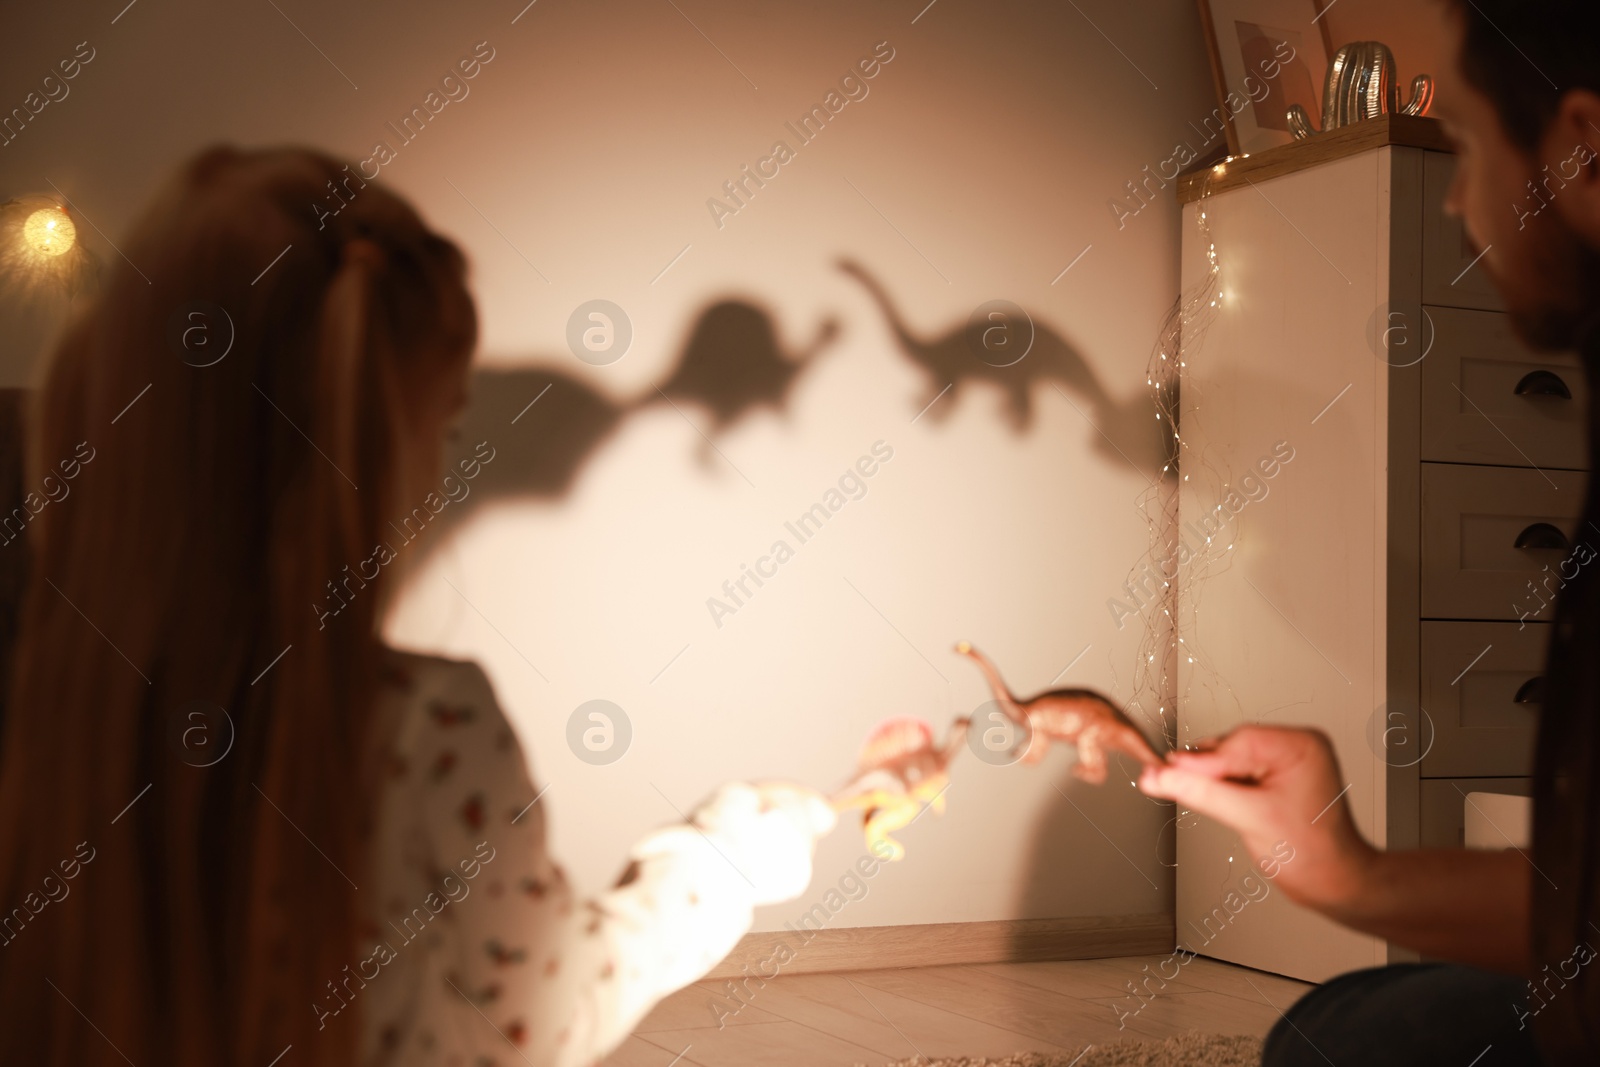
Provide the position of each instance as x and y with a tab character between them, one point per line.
1185	1050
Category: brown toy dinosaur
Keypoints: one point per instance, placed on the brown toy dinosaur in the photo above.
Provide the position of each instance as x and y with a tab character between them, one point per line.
1081	717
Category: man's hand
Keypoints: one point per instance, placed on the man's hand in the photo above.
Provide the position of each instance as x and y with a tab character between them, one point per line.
1276	785
1273	784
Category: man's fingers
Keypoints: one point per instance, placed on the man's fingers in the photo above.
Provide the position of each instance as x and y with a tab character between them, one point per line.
1248	752
1217	765
1237	806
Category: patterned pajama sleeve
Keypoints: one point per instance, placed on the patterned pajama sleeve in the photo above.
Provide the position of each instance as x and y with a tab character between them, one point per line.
543	977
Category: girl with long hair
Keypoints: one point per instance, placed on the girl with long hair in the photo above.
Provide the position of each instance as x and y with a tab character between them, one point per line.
232	824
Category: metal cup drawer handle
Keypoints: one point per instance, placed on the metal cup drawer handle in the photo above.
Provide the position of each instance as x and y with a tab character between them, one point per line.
1531	691
1543	383
1542	535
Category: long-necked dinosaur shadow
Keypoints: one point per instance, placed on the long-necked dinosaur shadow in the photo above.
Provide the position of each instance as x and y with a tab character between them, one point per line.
733	364
543	425
1126	428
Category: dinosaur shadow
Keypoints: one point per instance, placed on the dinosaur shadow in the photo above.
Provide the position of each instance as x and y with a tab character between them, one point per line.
734	364
544	425
975	353
1083	844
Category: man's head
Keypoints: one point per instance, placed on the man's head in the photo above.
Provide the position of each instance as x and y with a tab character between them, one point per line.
1520	97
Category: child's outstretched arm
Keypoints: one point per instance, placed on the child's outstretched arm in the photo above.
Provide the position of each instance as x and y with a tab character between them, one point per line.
563	980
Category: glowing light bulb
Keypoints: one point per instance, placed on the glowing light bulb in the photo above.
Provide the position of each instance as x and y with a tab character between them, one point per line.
50	232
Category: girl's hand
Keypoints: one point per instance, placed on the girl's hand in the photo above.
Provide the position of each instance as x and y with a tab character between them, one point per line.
768	832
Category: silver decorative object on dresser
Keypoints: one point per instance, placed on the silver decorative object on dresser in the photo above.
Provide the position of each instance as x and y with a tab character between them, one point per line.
1361	85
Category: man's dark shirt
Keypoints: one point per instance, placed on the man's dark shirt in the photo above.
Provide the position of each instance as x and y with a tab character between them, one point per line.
1565	996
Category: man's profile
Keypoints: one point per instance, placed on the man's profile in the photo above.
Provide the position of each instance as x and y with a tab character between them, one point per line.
1519	96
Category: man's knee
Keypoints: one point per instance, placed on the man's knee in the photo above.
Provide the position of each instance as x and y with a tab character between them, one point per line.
1407	1014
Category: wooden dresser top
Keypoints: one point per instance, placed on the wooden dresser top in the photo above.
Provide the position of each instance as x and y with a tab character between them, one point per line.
1348	140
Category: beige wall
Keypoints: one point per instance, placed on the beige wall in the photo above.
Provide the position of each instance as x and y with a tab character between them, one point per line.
1408	27
981	163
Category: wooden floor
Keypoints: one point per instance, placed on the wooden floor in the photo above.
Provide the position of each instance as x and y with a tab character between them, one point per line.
878	1017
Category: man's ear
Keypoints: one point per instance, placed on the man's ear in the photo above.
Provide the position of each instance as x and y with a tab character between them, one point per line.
1570	151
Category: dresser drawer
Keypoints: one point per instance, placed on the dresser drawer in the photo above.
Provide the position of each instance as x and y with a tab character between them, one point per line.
1443	807
1473	521
1452	273
1488	399
1481	687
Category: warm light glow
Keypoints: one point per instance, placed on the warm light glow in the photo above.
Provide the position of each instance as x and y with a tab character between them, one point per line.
50	232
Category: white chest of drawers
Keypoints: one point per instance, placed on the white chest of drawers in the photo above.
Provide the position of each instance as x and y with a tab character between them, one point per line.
1389	589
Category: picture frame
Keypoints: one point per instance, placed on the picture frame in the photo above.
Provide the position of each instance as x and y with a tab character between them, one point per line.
1265	56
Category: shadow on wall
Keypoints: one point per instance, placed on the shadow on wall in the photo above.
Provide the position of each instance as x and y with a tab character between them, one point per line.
1068	846
544	425
1126	429
733	364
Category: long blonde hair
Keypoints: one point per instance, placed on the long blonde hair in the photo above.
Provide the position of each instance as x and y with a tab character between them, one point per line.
221	497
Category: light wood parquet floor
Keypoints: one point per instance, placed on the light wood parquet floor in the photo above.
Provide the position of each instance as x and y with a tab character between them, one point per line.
878	1017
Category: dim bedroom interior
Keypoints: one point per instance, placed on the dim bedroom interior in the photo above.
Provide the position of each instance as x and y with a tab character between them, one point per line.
816	341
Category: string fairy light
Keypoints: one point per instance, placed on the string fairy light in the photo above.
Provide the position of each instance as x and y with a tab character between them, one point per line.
1179	339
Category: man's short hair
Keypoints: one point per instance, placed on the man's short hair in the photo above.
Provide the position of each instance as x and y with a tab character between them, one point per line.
1524	54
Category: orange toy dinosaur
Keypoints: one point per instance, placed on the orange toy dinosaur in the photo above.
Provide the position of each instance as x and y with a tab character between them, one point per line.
902	769
1081	717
